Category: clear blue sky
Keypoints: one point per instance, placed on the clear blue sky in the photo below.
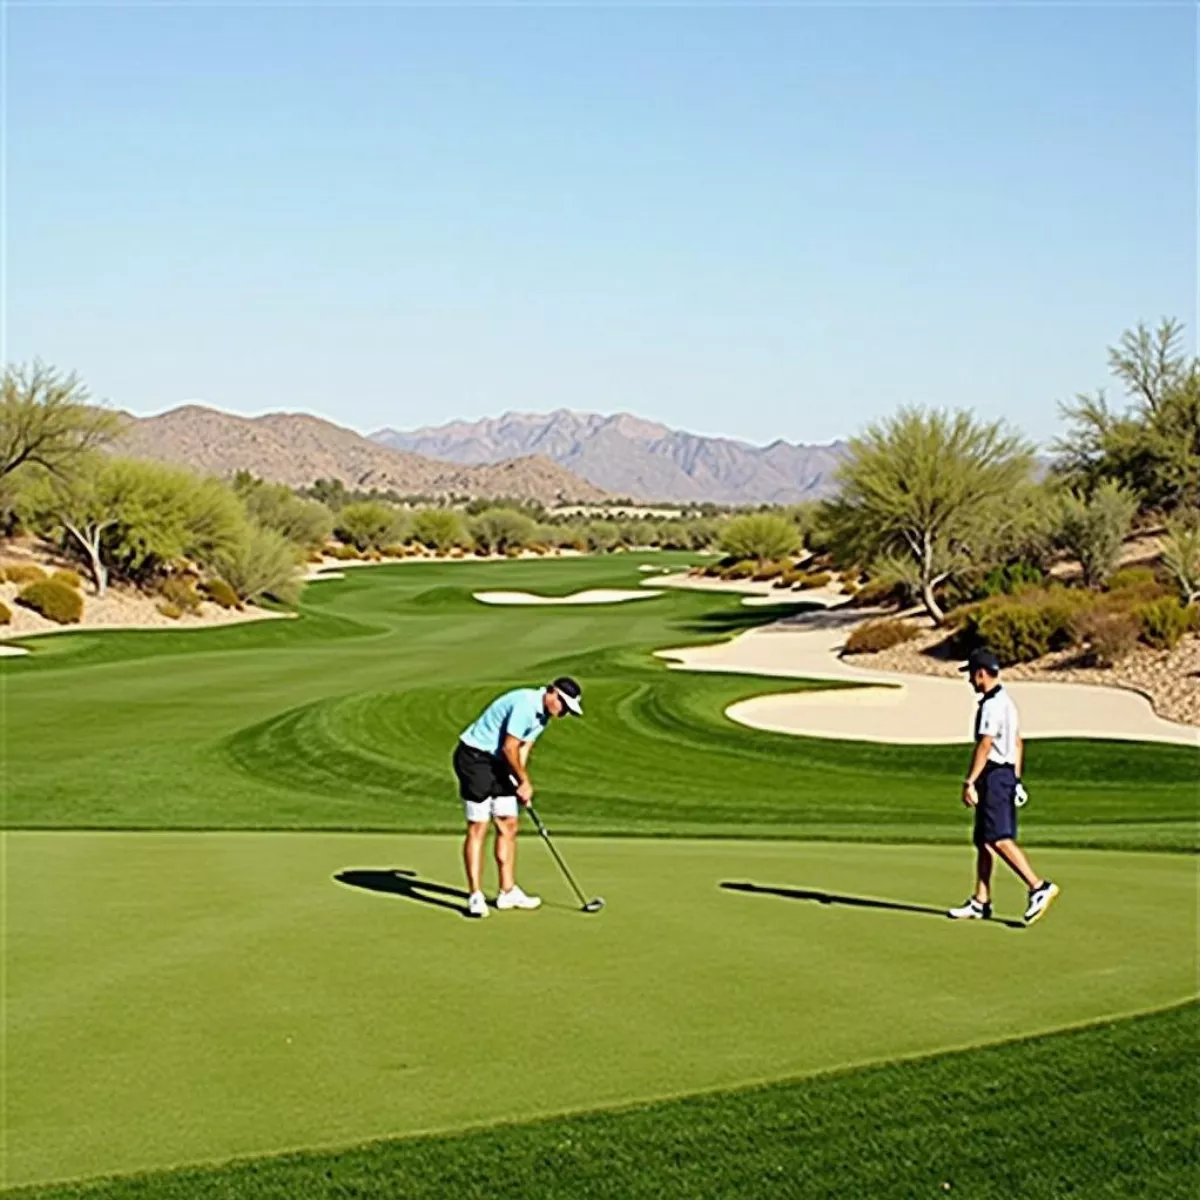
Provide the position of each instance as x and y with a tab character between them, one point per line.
755	221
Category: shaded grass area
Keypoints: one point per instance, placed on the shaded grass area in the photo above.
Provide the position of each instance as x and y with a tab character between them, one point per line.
346	717
1108	1111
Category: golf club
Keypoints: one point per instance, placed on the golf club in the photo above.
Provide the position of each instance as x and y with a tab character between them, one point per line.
589	906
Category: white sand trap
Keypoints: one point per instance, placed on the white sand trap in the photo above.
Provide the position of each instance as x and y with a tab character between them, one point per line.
591	596
11	651
912	709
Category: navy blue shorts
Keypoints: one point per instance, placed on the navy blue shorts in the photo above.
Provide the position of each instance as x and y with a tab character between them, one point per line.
996	812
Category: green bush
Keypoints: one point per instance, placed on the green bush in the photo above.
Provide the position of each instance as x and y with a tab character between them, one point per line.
1009	579
5	614
70	578
54	601
344	553
262	563
1022	628
1162	623
24	573
761	536
880	593
180	593
170	610
881	634
812	579
439	528
370	524
220	593
850	587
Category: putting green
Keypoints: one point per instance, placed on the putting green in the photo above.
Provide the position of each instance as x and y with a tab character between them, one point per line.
183	997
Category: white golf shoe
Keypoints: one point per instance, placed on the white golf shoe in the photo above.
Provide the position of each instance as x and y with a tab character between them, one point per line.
972	910
517	899
477	905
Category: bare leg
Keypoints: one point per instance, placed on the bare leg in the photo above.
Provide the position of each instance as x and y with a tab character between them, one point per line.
473	854
1014	856
984	859
506	851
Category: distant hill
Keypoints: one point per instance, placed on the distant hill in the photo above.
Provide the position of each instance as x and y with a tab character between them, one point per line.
297	449
627	456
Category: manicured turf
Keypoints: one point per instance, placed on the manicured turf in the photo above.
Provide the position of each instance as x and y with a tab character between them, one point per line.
346	718
1107	1112
181	997
176	997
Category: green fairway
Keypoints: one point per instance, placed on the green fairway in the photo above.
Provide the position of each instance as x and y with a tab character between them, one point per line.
991	1124
181	997
183	986
346	717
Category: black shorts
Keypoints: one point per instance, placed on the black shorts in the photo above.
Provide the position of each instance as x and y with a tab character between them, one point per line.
996	812
481	776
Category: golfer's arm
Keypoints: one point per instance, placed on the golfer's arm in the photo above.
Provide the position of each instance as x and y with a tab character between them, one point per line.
979	759
1020	756
516	754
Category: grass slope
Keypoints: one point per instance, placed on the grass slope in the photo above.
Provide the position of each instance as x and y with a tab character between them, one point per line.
1103	1112
345	719
179	997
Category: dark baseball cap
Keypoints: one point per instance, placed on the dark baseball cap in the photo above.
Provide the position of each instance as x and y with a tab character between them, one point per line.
571	693
982	660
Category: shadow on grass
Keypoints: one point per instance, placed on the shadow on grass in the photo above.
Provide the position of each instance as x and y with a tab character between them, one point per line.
397	882
852	901
741	619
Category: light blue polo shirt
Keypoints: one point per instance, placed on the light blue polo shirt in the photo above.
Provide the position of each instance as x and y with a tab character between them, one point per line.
520	713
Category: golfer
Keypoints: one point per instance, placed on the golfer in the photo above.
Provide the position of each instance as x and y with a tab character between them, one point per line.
491	761
994	790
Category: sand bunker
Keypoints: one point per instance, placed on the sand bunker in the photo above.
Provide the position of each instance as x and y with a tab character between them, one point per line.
591	596
913	709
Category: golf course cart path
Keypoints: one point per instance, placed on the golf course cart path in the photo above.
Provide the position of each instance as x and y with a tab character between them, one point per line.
590	596
905	709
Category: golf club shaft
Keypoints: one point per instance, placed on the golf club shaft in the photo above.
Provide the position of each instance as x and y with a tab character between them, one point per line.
545	834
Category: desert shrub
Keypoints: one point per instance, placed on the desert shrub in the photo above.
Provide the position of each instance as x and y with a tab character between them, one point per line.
262	563
1163	622
787	578
307	523
5	614
54	601
812	579
1181	554
180	593
850	587
370	524
881	593
220	593
1107	635
761	536
1022	628
439	528
1094	527
739	570
1008	580
24	573
169	609
70	578
768	570
344	553
395	550
881	634
499	529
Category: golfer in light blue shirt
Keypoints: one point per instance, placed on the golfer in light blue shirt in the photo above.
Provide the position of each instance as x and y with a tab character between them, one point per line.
491	764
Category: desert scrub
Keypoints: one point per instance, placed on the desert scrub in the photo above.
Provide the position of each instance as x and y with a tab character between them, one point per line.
54	601
220	593
880	634
1107	636
70	578
23	573
1162	623
1025	627
812	579
168	609
5	614
178	592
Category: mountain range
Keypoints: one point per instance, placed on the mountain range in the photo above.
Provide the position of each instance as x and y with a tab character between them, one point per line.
630	457
297	449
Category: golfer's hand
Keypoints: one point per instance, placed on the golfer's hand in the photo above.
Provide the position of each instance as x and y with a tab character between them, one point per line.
969	796
525	792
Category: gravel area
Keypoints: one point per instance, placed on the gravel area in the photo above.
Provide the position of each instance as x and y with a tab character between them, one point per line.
1170	680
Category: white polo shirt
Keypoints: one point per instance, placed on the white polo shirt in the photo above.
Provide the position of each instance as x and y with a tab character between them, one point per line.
996	718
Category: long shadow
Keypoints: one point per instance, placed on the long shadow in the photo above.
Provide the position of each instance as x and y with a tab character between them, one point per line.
853	901
398	882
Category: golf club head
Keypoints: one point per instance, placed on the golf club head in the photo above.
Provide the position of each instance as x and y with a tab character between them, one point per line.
594	905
